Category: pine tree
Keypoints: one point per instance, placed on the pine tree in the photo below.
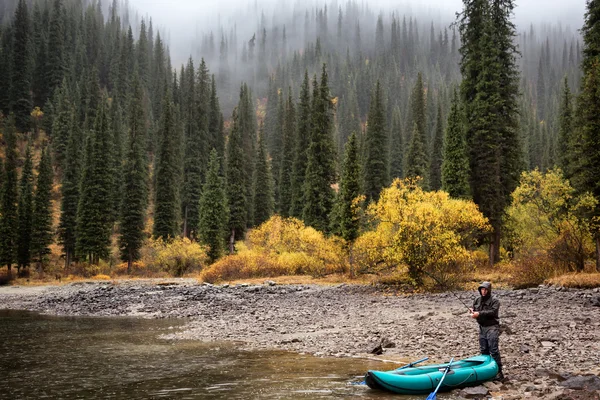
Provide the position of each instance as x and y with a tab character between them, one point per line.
300	149
285	172
167	175
56	62
215	122
320	168
247	131
565	131
21	69
41	227
418	109
437	153
236	185
212	227
350	189
94	211
9	222
397	146
376	166
586	177
61	125
70	192
262	186
25	212
134	197
455	168
416	159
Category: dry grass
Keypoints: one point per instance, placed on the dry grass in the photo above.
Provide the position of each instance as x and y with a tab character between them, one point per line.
333	279
582	280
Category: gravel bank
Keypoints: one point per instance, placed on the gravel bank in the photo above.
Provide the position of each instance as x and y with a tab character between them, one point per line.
551	337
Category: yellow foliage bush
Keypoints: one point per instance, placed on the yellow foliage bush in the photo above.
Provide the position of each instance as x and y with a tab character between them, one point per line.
281	246
176	257
101	277
419	232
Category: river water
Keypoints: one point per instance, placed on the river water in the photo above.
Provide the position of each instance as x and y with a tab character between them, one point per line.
44	357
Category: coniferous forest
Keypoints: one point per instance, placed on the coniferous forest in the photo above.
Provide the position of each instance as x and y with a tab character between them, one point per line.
323	139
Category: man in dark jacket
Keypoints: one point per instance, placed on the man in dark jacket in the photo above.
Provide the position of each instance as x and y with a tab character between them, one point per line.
485	311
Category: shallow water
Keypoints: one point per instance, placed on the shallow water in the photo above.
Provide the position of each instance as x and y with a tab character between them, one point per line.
44	357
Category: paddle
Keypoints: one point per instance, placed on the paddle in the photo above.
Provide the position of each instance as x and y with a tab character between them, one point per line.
433	395
398	369
412	364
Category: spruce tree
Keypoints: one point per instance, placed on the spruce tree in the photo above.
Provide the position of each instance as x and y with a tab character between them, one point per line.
437	153
350	189
300	149
236	185
134	197
9	223
212	227
61	125
215	122
588	115
262	186
167	174
285	171
25	212
397	146
416	159
94	211
70	192
455	168
56	63
565	131
22	59
41	227
320	168
376	166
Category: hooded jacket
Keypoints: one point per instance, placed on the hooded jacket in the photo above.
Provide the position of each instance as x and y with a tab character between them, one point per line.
487	306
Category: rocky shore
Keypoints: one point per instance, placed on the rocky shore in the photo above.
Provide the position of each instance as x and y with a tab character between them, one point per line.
550	342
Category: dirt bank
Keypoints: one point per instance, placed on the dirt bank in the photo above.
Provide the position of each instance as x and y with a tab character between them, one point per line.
551	333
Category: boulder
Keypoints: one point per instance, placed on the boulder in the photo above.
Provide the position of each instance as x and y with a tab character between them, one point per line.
582	382
476	392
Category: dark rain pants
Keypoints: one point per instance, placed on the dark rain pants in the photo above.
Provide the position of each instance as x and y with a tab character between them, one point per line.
488	343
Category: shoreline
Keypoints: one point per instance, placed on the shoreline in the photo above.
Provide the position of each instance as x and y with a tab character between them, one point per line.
550	333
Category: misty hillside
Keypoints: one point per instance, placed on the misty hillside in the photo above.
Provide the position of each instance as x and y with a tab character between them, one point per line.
290	109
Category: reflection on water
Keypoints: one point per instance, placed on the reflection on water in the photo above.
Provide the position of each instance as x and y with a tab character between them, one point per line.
46	357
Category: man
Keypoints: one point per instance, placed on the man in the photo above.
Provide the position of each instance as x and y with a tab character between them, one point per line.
485	311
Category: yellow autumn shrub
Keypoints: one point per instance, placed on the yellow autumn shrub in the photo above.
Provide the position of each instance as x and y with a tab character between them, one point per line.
280	246
176	257
419	233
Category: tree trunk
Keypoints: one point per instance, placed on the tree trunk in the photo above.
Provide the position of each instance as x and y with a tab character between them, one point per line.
232	241
9	266
185	218
495	247
598	253
129	261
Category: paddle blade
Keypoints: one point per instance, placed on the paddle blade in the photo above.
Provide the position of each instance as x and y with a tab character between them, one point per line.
432	396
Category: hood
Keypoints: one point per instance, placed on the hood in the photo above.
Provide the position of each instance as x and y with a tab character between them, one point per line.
486	285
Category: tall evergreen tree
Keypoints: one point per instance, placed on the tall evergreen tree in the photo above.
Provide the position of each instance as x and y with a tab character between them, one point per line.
213	209
565	130
300	149
25	212
41	227
455	168
21	69
588	115
134	199
247	130
236	185
320	168
376	166
262	186
70	192
167	175
416	159
350	189
287	158
94	211
437	153
56	63
61	125
9	222
397	146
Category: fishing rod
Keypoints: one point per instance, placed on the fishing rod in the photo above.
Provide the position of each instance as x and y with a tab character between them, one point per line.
446	288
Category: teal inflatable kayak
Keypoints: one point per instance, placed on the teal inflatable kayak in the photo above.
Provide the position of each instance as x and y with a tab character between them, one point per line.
424	379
